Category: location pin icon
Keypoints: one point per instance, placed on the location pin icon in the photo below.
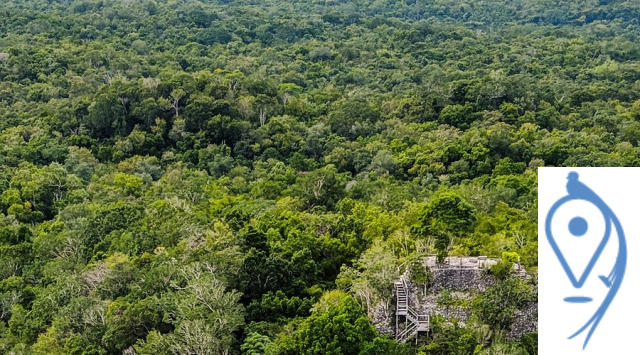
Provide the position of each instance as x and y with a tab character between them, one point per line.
578	227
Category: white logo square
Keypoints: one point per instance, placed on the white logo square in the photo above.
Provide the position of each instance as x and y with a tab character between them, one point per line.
588	242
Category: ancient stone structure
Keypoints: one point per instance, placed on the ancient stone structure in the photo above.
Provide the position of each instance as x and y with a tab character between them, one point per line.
460	279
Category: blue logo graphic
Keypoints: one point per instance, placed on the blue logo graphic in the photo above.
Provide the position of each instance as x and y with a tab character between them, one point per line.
578	226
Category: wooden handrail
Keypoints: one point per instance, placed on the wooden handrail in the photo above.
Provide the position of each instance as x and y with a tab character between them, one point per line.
414	322
407	332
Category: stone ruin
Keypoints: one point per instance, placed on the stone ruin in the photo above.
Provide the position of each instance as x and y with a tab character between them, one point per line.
464	273
463	278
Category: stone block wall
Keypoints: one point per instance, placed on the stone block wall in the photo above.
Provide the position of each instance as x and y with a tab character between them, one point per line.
464	278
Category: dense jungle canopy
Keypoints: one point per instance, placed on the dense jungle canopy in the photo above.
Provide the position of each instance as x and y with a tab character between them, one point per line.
250	177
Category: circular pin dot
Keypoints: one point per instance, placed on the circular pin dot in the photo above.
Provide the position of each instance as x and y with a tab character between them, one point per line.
578	226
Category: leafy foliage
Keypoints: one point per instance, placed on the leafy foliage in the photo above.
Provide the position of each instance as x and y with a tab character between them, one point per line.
192	176
496	306
342	328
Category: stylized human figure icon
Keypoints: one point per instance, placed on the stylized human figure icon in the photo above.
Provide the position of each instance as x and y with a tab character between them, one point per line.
578	226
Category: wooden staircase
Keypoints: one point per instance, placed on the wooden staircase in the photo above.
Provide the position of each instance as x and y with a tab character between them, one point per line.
414	322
